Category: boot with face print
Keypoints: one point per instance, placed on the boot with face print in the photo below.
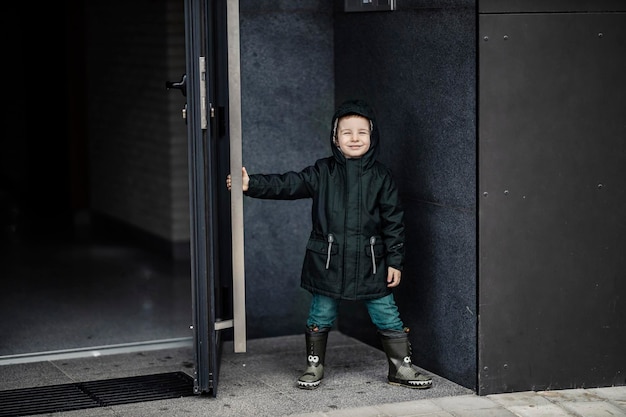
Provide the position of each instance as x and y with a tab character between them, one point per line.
401	370
316	339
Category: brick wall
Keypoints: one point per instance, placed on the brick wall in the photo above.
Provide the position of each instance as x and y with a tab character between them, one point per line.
137	138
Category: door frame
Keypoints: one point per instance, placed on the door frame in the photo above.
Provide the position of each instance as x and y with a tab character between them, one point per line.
214	136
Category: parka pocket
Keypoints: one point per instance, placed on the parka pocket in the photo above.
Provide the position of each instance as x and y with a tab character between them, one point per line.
320	255
375	253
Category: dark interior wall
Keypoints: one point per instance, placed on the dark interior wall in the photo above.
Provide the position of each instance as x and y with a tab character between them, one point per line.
107	138
416	66
552	195
137	146
35	164
287	102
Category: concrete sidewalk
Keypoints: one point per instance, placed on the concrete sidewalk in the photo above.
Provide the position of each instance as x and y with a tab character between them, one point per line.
262	383
596	402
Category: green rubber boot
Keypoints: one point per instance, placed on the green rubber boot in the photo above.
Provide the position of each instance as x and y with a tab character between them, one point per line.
316	351
401	370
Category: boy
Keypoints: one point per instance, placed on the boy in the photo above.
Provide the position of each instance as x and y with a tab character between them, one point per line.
356	246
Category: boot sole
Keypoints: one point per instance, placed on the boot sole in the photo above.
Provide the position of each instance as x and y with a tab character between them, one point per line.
308	385
413	384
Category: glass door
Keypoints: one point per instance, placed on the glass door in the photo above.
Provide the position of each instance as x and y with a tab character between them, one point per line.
213	117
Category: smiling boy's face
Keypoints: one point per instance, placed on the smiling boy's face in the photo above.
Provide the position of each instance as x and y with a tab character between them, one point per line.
353	136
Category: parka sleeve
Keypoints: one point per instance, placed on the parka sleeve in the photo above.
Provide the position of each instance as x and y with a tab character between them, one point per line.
287	186
392	224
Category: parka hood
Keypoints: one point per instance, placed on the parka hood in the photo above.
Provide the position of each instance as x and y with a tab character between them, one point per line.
361	108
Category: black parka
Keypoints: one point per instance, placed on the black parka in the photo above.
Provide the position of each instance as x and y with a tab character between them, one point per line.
357	218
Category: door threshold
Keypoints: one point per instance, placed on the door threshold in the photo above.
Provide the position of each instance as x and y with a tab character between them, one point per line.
95	351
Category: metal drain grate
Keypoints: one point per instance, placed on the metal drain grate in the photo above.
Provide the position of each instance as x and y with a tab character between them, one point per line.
81	395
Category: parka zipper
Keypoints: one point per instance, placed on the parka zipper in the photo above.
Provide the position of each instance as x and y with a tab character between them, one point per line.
331	239
372	242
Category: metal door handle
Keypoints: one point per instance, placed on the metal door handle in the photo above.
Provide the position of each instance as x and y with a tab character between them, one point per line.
180	85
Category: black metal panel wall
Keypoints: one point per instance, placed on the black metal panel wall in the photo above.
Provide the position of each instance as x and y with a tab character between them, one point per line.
552	199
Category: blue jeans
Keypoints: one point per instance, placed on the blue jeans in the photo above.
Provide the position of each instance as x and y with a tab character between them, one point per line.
383	312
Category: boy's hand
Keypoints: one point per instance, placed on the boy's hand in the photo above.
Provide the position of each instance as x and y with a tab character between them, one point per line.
393	277
245	180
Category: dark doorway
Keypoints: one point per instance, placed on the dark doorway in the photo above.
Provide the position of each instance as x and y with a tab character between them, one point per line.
72	277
